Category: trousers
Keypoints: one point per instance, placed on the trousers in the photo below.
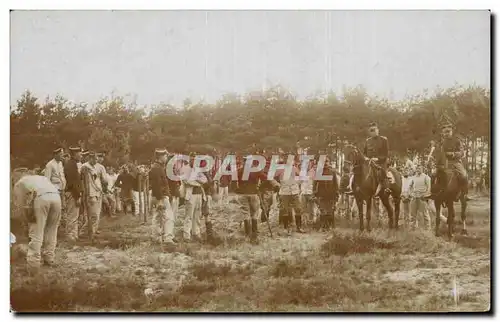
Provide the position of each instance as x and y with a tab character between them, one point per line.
419	205
163	219
94	207
192	220
251	205
43	232
72	213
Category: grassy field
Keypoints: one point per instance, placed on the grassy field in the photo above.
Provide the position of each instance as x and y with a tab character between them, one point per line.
337	271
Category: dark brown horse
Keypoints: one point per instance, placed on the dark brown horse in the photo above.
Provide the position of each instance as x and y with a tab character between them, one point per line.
365	185
447	197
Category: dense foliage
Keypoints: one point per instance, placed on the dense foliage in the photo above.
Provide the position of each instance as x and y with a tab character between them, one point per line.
269	120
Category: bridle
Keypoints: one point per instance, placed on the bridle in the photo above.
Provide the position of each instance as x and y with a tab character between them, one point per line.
358	157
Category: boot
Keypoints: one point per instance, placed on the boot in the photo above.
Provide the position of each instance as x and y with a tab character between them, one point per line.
253	236
211	239
298	223
246	224
263	216
285	221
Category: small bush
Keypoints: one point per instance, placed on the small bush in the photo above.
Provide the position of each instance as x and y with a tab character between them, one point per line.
343	245
286	268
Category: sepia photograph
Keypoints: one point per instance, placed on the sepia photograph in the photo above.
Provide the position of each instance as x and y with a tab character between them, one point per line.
250	161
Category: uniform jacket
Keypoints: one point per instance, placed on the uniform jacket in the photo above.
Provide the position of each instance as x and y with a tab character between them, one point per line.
327	188
453	144
54	171
377	147
159	182
73	179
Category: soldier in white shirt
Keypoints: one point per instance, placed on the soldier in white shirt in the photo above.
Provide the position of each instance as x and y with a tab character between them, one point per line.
307	192
289	198
96	185
405	196
54	171
420	191
109	198
193	181
40	202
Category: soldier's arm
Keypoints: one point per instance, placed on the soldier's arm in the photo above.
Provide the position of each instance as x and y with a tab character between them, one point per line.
48	170
63	177
459	149
365	148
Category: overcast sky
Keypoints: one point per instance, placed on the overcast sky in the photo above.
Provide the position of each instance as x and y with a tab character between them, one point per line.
166	56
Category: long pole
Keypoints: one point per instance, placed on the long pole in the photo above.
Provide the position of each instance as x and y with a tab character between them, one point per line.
141	195
85	205
146	198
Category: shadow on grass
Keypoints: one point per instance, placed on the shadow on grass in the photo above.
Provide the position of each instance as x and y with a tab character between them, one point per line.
343	245
53	294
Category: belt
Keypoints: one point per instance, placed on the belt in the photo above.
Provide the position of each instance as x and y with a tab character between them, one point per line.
45	193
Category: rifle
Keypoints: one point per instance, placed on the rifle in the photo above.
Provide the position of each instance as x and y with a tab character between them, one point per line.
264	210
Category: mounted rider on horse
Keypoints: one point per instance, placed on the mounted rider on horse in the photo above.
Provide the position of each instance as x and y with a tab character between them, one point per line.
376	148
449	157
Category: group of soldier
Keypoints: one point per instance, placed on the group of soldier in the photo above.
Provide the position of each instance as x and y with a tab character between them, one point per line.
82	184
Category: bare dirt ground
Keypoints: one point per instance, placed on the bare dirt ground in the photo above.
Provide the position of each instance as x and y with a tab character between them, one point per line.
341	270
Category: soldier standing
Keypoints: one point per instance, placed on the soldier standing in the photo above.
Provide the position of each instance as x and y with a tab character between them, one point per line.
96	179
290	199
163	216
327	193
54	171
73	193
249	197
193	181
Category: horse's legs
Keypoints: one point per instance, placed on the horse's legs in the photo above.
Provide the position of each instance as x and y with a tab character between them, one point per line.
463	214
397	209
368	213
359	203
451	217
437	204
387	204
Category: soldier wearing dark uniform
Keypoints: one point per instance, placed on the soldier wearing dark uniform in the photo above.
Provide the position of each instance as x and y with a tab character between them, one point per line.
248	195
209	192
162	223
73	193
377	148
327	193
450	156
266	191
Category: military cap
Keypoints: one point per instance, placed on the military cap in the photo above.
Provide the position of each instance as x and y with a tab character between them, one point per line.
372	124
91	153
446	124
58	150
85	152
161	151
75	149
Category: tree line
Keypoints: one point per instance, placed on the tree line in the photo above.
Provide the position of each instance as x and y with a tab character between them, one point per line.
272	119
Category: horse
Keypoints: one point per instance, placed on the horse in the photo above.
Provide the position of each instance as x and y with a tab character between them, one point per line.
365	185
446	198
